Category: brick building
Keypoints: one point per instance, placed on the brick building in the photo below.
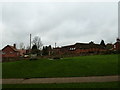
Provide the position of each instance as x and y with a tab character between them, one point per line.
80	48
116	45
12	51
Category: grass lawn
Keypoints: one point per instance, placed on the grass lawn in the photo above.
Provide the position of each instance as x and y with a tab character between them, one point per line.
67	85
96	65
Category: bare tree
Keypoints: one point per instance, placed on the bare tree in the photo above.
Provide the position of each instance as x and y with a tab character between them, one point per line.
37	41
22	45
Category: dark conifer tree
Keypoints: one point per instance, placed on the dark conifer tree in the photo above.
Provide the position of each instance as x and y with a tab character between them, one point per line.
34	49
102	43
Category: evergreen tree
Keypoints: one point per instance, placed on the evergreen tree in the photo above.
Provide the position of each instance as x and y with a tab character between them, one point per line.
102	43
46	50
34	49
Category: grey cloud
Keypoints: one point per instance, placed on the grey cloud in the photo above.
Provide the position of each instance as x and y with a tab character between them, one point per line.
64	23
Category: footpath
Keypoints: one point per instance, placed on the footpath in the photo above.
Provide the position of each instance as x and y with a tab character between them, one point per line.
60	80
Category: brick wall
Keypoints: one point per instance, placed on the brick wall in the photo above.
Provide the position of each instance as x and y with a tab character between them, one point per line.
9	52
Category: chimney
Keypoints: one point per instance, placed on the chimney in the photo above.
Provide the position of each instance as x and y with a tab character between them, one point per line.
14	45
118	40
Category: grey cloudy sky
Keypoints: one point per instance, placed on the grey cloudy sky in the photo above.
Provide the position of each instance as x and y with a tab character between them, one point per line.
60	22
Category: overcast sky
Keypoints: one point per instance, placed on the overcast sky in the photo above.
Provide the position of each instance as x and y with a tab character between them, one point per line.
60	22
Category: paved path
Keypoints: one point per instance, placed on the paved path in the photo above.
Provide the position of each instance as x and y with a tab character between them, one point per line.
61	80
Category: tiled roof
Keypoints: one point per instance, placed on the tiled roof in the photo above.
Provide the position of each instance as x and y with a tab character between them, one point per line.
68	46
13	48
84	45
88	45
117	43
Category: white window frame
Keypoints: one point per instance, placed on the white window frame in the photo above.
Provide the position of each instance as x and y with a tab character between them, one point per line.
114	46
72	48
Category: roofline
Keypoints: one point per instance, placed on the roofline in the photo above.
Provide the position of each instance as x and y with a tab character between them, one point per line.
10	47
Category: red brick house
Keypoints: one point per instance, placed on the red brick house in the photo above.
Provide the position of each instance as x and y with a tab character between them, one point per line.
109	46
116	45
81	48
12	51
22	52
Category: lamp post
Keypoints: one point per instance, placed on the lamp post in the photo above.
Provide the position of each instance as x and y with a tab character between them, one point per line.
30	45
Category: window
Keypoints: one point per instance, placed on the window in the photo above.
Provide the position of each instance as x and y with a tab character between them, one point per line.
11	52
114	46
3	53
72	48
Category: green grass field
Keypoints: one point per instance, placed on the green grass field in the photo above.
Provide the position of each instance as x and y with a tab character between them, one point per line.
97	65
67	85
